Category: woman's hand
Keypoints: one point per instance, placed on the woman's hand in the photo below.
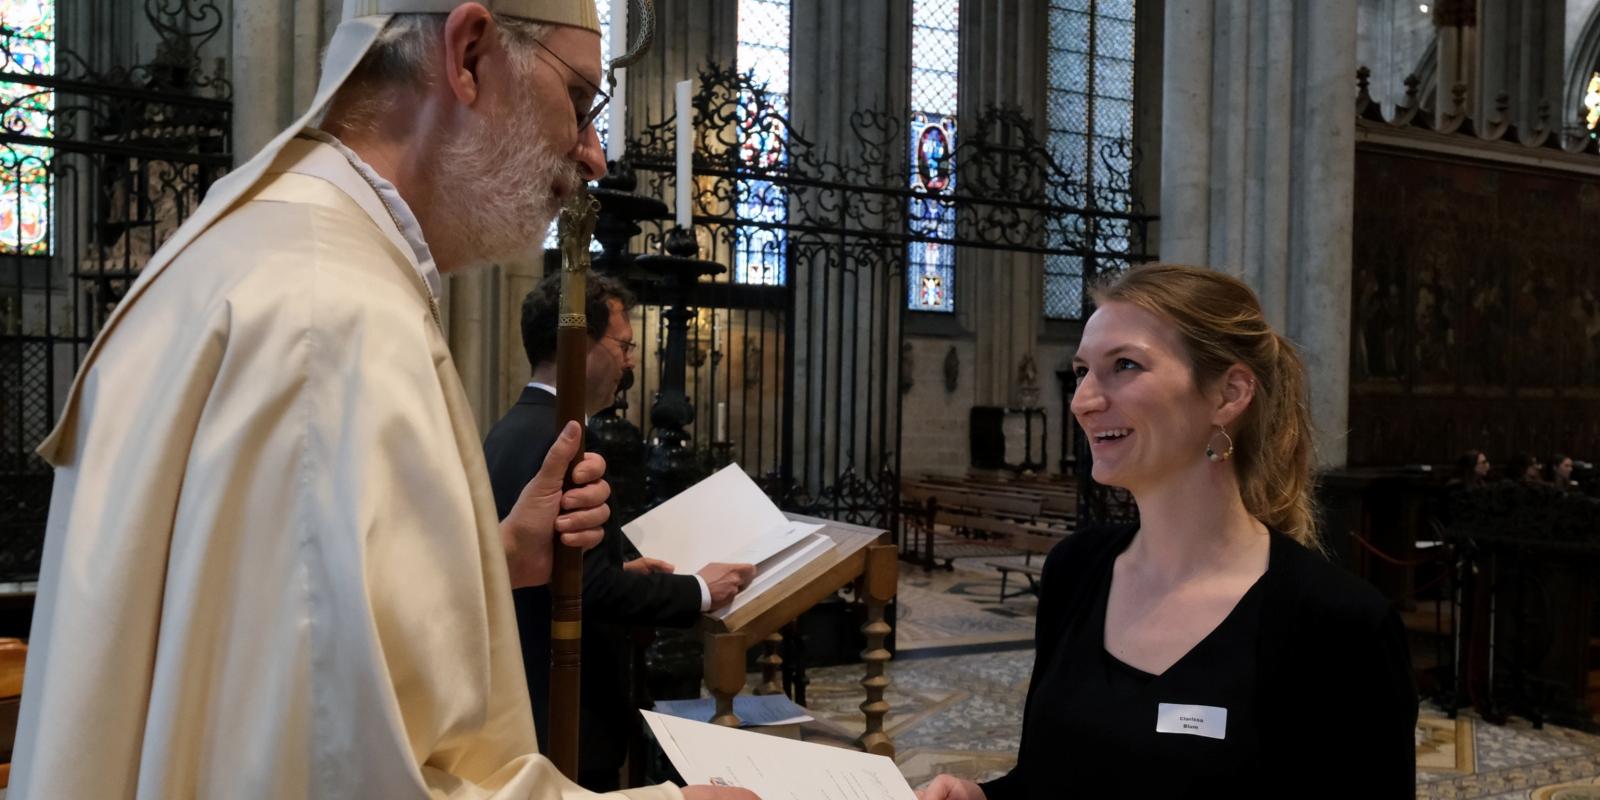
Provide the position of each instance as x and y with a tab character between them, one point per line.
949	787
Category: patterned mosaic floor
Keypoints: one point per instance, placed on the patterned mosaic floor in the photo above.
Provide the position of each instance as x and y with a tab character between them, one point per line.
962	607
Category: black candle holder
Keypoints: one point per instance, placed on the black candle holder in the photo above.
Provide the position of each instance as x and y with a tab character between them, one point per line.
672	465
622	208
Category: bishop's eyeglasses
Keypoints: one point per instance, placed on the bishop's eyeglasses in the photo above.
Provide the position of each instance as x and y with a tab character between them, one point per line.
585	119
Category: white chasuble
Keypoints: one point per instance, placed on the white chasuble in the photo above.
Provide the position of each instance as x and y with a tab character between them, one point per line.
273	565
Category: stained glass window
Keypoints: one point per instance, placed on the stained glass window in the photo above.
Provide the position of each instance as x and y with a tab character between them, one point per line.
931	146
1591	105
1090	115
761	250
27	35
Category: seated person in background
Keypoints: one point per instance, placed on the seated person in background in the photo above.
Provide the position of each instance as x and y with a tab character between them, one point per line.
620	589
1525	468
1558	471
1180	656
1472	468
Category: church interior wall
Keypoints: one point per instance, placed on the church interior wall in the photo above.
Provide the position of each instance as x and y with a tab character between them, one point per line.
934	438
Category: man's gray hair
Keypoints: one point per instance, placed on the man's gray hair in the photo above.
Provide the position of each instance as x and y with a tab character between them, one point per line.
402	57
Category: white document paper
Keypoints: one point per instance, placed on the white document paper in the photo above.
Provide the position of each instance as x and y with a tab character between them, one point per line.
725	518
753	710
785	563
772	767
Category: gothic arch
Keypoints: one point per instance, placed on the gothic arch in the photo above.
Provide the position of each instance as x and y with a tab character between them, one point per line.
1584	60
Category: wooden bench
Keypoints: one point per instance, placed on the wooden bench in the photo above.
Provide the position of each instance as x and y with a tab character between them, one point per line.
1033	572
13	657
950	521
1057	501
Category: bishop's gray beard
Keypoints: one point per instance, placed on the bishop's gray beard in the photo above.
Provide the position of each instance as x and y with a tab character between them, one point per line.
499	187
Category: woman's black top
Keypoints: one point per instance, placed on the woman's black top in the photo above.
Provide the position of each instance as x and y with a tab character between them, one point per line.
1303	690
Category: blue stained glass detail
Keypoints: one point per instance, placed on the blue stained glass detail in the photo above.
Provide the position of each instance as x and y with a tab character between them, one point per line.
761	251
931	148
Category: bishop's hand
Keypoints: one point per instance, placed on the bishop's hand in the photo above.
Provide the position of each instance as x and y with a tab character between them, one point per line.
542	510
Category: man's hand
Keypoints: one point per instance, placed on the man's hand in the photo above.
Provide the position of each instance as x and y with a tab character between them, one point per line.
543	509
645	566
725	581
718	793
949	787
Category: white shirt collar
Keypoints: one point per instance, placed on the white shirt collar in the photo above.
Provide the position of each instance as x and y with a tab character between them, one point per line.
403	218
545	386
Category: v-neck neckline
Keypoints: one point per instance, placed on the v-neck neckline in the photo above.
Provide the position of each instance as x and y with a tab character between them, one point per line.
1104	602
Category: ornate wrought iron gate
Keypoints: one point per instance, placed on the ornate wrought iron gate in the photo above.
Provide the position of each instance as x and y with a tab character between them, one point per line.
100	164
801	338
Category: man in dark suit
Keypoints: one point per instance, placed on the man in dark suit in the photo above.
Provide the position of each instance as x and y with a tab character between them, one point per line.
620	588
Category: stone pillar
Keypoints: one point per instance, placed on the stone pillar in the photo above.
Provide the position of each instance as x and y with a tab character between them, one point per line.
1186	131
1003	58
473	327
689	35
847	56
276	60
1520	56
1258	170
1457	22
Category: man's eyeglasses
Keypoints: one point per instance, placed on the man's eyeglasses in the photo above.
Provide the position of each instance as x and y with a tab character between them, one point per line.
627	347
600	98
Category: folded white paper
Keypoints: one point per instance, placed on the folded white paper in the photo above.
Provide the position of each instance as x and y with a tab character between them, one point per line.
725	518
772	767
781	565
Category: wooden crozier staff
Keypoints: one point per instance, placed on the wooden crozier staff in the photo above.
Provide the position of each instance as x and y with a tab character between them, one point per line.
572	351
566	578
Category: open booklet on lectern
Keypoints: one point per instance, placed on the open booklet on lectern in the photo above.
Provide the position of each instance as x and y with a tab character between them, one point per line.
727	519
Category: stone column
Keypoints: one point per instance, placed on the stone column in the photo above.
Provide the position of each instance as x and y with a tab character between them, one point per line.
1257	166
1457	22
1520	56
1186	129
846	57
689	35
1003	59
276	60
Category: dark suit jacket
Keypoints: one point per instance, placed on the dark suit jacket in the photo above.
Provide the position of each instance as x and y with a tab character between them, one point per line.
613	599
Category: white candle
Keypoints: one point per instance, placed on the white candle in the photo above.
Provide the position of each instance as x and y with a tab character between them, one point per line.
685	151
722	420
616	128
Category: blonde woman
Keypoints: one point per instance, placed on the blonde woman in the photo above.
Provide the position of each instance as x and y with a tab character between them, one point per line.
1211	650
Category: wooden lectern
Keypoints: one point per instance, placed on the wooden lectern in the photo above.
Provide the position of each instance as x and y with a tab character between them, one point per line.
861	555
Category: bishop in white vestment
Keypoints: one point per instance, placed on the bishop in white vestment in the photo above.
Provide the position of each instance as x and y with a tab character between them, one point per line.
273	566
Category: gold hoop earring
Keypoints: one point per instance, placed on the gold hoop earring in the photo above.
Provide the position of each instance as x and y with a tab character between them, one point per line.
1211	452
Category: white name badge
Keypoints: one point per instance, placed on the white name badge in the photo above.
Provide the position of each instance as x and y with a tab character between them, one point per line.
1208	721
